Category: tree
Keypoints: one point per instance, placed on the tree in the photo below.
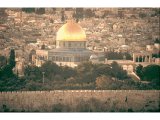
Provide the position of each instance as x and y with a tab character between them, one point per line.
68	72
12	61
102	69
111	55
128	56
3	61
152	73
103	82
33	73
84	67
6	72
40	11
157	40
62	16
139	72
10	82
118	71
51	69
71	80
28	10
85	72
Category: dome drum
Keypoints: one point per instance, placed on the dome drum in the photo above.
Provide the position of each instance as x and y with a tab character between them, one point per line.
71	44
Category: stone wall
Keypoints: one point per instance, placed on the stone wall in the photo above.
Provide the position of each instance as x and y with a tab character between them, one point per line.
137	100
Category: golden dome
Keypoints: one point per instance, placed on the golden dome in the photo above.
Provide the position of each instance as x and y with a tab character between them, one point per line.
71	31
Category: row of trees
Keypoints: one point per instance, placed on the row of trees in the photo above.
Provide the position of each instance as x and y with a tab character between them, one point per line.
84	76
86	72
62	77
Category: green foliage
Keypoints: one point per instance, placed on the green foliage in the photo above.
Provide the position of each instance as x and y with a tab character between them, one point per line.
108	83
51	69
33	73
68	72
118	55
62	16
130	110
6	72
88	72
84	72
12	61
157	40
84	76
149	73
28	10
3	61
102	69
139	72
152	73
33	86
71	80
103	82
8	80
118	71
12	84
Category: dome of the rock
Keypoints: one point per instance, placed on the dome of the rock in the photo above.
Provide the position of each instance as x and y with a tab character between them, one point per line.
71	31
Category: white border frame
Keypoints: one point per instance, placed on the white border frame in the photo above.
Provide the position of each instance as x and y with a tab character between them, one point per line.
80	3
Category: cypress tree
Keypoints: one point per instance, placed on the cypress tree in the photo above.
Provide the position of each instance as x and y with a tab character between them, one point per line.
12	61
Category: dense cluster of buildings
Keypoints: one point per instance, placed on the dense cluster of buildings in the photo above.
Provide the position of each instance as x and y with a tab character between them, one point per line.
39	38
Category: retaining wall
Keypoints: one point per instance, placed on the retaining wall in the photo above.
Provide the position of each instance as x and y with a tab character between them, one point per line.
138	100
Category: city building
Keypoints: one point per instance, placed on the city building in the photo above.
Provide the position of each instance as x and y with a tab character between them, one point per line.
70	47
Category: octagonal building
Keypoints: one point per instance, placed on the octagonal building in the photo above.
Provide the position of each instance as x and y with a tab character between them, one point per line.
70	46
